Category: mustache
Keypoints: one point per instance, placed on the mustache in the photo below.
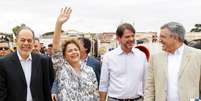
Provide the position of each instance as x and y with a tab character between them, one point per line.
29	46
130	42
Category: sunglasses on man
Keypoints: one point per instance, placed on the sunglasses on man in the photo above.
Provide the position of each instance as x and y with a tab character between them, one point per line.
4	48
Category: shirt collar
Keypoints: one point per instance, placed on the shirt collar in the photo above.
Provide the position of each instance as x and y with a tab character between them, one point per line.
21	59
85	60
179	50
120	51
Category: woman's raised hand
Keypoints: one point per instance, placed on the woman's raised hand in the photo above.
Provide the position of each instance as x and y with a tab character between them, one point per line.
64	15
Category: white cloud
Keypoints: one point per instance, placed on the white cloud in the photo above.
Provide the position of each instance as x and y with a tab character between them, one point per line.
98	15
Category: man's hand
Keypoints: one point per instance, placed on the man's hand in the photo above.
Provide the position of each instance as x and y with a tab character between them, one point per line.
103	96
54	97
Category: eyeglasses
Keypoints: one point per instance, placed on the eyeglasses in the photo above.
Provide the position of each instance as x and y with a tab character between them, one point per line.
4	48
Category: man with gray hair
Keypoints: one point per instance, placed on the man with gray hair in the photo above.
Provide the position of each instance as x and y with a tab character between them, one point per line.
174	74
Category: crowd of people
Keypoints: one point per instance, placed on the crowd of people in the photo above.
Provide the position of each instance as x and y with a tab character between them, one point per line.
66	71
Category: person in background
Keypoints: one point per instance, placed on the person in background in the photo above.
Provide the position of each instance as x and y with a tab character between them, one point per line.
49	50
123	69
75	81
37	46
4	48
89	60
43	49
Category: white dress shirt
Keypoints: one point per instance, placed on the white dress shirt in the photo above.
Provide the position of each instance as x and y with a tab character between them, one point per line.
26	66
174	62
122	75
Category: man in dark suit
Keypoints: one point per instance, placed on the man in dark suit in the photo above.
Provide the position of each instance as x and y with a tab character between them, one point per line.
24	76
90	61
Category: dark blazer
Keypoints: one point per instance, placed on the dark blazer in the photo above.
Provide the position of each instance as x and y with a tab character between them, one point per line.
96	65
13	86
51	71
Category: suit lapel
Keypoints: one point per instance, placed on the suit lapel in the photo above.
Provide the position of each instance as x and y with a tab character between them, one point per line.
185	59
89	61
34	66
164	61
18	65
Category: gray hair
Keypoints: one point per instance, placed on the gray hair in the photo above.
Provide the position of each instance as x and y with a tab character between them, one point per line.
177	29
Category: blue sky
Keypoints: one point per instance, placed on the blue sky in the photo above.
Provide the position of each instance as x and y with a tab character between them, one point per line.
99	15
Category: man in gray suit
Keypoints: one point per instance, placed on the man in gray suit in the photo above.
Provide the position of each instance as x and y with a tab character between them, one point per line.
174	74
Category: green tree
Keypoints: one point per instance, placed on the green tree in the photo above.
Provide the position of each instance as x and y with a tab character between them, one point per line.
17	27
197	28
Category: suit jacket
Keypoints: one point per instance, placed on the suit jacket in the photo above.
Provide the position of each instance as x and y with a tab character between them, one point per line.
51	71
188	76
13	86
96	65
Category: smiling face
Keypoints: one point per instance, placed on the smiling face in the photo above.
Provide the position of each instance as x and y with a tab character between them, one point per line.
167	40
25	42
72	53
172	36
127	40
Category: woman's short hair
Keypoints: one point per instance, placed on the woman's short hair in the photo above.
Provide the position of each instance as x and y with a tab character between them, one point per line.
69	41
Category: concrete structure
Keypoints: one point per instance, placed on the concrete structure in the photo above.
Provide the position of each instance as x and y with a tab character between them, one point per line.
193	36
106	41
